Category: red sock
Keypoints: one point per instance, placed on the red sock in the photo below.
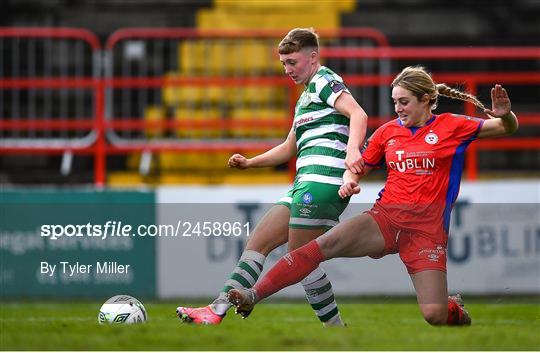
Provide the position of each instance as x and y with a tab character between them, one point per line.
455	313
290	269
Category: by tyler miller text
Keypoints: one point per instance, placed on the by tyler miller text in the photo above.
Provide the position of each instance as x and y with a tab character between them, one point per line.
76	268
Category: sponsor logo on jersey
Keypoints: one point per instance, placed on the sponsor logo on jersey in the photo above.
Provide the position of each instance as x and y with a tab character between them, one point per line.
304	212
421	162
303	121
433	257
433	254
391	142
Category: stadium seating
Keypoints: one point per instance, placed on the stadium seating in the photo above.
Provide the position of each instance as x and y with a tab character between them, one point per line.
154	113
227	57
246	105
194	114
268	115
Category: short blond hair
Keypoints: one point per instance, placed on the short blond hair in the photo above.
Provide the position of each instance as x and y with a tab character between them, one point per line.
298	39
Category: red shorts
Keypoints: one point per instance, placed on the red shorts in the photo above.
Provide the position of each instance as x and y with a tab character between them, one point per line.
417	251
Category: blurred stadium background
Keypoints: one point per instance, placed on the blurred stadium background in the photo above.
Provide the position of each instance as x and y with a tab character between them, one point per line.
140	102
130	93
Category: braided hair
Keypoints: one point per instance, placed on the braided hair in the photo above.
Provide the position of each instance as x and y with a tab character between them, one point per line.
417	80
453	93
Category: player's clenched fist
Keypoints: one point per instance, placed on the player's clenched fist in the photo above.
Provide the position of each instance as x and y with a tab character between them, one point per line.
348	189
238	161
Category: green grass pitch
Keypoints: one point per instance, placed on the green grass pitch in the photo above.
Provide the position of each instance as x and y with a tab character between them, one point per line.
291	327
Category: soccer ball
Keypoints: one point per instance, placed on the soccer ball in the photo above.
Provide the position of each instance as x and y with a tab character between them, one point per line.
122	309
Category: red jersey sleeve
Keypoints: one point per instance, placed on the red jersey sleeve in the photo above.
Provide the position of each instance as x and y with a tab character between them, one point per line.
373	150
465	128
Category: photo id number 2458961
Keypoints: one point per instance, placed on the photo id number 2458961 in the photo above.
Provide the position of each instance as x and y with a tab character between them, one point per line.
212	229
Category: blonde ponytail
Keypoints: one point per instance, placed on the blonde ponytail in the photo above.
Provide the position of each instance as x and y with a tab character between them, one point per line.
446	91
417	80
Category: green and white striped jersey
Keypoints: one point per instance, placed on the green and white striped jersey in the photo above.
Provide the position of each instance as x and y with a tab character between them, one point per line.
321	131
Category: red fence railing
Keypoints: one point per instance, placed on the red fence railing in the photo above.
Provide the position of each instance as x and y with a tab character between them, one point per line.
100	143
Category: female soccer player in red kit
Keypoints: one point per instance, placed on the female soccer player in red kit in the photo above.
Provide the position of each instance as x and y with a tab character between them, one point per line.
424	156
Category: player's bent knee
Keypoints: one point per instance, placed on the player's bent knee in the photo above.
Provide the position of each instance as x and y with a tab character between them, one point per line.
328	245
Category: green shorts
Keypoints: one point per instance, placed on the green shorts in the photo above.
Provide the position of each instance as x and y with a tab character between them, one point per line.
314	205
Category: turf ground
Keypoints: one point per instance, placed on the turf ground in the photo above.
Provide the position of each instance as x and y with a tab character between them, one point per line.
390	326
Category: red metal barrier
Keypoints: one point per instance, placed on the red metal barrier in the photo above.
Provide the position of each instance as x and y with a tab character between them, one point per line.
359	32
61	145
443	53
102	147
52	32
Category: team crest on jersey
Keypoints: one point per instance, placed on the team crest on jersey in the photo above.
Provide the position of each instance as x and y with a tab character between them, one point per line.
431	138
307	198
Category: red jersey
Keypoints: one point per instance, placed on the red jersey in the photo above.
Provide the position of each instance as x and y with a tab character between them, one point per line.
424	167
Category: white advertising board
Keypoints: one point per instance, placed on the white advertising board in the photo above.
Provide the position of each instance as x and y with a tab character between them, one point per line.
494	243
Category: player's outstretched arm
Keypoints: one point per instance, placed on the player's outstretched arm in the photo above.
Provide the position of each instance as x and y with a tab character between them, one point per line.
503	121
280	154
